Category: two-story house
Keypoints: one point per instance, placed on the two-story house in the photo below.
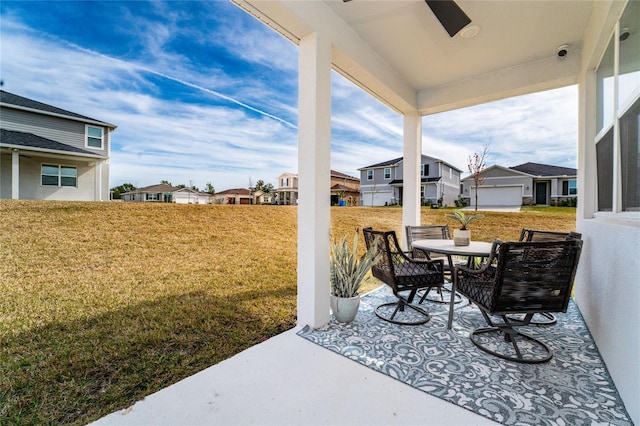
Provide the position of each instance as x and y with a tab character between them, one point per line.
47	153
381	183
345	189
287	189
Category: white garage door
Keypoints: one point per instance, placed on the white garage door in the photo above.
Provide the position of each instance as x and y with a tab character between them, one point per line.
498	196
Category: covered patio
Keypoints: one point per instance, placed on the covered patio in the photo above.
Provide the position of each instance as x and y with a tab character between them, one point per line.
399	53
374	372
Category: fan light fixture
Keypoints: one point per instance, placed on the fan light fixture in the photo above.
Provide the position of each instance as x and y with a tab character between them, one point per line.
470	32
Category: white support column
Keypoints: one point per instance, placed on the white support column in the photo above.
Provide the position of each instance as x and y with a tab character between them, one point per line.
411	171
15	174
314	147
97	176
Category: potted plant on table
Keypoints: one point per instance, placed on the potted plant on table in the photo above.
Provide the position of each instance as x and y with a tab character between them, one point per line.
347	273
462	236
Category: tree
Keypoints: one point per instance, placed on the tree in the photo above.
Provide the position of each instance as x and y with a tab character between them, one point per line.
209	189
166	182
119	190
266	188
476	165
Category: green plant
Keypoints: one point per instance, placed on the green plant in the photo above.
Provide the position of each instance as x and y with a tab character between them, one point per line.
462	218
347	269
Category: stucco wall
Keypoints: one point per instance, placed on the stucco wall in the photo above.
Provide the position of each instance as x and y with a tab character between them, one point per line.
607	292
31	189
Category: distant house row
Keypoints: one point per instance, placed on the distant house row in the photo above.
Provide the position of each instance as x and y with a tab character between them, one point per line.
164	193
48	153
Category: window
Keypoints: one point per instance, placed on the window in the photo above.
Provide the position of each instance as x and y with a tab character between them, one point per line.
421	192
284	182
55	175
369	174
569	187
424	170
387	173
94	137
618	117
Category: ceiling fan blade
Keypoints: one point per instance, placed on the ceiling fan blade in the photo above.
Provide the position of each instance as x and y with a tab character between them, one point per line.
452	18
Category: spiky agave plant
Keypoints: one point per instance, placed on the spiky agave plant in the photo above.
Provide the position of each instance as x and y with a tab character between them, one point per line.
462	218
347	269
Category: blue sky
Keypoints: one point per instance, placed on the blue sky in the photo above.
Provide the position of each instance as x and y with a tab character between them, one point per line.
202	92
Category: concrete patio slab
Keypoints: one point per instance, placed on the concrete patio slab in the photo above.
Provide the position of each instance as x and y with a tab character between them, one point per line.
288	380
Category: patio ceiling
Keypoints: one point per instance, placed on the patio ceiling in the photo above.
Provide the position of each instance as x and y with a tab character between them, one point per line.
398	51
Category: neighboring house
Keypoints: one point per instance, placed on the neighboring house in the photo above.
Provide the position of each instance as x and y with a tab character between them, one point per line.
191	196
345	189
381	184
525	184
161	193
47	153
287	190
235	196
164	193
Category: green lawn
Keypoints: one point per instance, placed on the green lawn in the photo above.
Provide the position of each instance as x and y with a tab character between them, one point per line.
105	303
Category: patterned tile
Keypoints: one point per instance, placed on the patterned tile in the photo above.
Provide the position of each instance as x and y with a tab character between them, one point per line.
574	388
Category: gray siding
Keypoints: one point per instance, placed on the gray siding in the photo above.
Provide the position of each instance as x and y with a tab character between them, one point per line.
58	129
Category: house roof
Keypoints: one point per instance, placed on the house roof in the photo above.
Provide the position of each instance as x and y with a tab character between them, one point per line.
383	164
193	191
422	180
395	161
15	101
339	187
343	176
536	169
235	191
162	187
15	139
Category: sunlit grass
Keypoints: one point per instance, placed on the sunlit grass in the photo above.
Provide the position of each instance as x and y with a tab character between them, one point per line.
104	303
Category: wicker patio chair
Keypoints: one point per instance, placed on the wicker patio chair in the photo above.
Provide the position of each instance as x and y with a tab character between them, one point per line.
546	318
433	232
518	278
404	275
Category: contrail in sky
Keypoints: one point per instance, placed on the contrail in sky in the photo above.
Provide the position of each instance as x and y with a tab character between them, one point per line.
186	83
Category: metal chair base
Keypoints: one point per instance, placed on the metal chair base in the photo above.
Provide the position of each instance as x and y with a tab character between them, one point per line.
549	319
510	337
440	297
400	307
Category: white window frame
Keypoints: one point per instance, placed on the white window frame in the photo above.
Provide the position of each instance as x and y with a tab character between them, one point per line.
611	123
387	169
370	174
424	170
87	137
59	175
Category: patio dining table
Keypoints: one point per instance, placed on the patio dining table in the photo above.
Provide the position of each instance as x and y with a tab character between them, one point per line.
474	250
448	248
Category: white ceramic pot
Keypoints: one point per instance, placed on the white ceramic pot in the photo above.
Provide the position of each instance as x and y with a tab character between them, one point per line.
344	308
461	238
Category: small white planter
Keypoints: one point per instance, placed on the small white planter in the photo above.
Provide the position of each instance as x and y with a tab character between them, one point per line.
345	308
461	238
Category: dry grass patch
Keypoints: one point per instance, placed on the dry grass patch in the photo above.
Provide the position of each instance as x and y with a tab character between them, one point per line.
104	303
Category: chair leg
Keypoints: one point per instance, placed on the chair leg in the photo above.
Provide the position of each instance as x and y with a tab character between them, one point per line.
440	299
506	340
400	307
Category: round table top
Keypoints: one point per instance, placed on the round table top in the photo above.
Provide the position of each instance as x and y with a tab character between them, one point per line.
475	248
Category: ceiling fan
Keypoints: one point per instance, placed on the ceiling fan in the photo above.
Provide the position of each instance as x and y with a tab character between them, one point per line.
451	17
